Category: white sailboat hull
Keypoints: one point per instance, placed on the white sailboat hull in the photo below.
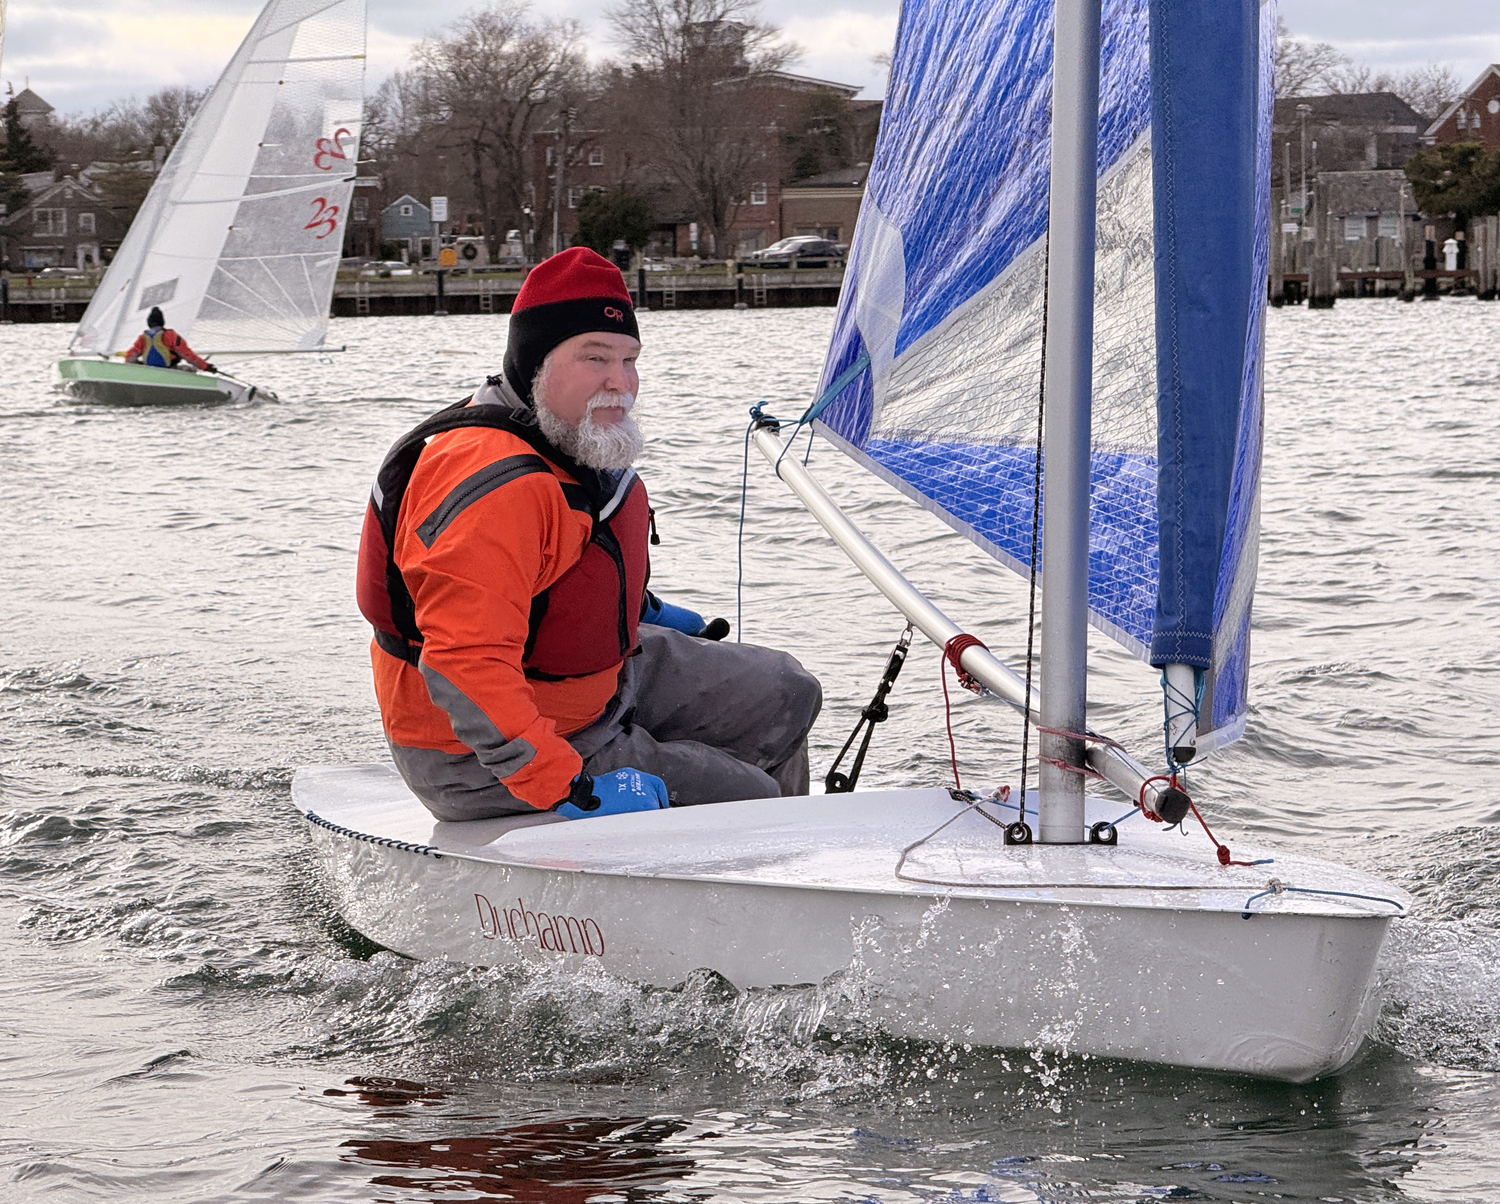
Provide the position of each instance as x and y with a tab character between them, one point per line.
1141	951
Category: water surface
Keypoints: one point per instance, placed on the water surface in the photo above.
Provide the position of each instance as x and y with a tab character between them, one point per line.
184	1019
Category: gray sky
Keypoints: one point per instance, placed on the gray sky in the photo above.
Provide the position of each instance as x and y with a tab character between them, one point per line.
82	54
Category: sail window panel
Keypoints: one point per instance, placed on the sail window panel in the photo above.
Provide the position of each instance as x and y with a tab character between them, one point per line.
958	418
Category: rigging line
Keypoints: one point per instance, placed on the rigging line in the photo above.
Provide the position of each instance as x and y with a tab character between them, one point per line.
1278	888
970	804
1171	696
823	401
876	712
953	652
1036	529
739	552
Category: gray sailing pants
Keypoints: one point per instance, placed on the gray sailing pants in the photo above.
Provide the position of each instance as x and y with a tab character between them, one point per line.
715	721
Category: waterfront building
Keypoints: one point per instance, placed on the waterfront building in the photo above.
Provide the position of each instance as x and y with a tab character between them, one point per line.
1474	116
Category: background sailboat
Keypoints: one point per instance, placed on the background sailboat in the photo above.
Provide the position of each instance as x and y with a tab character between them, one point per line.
239	239
973	269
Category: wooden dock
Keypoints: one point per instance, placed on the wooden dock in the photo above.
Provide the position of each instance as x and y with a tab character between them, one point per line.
32	299
486	293
1318	270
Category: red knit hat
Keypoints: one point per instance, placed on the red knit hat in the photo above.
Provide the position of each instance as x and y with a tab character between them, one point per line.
576	291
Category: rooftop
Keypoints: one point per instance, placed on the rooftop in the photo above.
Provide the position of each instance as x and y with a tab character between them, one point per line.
28	104
1384	109
843	177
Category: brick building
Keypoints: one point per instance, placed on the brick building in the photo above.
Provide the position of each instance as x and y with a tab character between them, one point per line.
612	154
1474	116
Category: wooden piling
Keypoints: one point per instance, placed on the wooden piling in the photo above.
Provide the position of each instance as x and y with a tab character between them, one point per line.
1322	273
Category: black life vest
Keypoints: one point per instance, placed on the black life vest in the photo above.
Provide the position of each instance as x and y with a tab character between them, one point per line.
586	621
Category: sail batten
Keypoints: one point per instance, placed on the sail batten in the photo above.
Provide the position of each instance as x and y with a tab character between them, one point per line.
944	297
261	178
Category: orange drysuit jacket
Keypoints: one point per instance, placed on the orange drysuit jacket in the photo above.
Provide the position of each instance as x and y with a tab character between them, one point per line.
175	344
473	589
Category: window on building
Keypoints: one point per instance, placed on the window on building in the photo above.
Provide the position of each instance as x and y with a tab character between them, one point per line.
86	223
1354	226
361	209
596	157
51	221
549	156
405	211
758	194
1390	225
573	195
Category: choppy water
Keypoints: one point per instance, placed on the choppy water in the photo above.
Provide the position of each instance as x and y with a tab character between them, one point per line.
183	1019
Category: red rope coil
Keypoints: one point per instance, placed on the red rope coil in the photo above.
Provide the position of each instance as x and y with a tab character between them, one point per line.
952	651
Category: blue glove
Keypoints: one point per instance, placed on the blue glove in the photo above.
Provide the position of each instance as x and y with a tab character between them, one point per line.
680	618
616	793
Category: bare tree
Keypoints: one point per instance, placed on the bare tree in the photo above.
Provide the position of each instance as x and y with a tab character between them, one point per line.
1429	89
125	130
487	80
1303	68
694	86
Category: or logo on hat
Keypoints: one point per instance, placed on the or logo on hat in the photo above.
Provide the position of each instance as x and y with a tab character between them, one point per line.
611	312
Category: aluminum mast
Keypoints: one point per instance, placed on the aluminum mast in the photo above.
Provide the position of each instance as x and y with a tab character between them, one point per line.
1068	359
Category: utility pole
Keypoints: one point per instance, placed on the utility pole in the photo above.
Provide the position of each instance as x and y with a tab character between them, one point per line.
1303	112
565	119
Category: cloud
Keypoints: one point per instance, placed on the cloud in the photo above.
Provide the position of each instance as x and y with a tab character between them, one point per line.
79	57
84	54
840	46
1397	35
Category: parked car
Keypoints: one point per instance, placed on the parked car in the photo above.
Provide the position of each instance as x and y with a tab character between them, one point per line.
805	250
387	268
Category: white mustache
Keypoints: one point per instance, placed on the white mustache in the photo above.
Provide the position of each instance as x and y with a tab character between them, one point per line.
622	401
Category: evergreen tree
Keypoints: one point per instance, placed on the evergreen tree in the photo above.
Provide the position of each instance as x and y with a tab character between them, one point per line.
1461	178
21	153
617	214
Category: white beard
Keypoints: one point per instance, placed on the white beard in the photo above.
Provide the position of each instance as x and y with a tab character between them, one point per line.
615	446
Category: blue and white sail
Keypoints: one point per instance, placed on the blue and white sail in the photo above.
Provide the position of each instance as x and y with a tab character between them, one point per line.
933	379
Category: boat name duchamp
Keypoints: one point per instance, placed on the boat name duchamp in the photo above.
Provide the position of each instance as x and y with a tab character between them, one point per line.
556	934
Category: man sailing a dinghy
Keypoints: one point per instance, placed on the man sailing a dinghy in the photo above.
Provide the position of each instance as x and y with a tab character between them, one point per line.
159	347
520	663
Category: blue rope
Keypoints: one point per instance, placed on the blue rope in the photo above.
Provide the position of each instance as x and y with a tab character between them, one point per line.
1309	890
840	383
756	417
1168	697
825	399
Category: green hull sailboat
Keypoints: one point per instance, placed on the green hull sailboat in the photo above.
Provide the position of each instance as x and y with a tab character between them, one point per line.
238	241
113	382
